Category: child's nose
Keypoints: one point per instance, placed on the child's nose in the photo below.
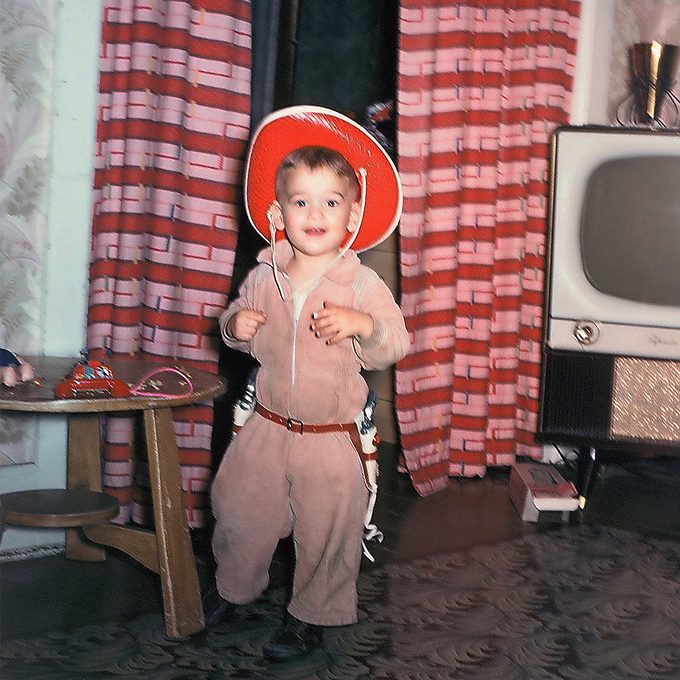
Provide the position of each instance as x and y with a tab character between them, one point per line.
316	210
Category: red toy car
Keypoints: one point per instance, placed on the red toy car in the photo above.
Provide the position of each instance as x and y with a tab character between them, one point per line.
93	380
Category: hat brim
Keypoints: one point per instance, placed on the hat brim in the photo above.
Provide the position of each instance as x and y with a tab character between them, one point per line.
288	129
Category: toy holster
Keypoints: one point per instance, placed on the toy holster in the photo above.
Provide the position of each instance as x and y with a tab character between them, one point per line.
365	441
368	455
245	406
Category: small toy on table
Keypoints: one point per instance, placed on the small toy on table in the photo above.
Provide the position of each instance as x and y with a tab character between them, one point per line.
91	379
13	369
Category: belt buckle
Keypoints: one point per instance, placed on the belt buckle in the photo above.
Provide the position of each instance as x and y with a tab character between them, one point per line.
292	423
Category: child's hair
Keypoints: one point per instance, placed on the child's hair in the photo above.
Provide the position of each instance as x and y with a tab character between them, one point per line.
314	157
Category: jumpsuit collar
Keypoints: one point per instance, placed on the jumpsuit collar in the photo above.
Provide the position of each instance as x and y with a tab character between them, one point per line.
342	272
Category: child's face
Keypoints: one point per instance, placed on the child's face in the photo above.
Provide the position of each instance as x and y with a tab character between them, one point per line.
317	209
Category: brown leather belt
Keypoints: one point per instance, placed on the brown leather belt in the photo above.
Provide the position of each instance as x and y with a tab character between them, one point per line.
299	427
302	428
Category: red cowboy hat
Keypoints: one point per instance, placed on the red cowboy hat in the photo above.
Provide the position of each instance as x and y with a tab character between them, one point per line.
288	129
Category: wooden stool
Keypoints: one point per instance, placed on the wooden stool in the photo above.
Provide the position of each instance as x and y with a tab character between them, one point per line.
83	510
57	508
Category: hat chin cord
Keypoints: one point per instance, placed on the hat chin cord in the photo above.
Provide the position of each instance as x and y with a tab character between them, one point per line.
272	243
341	253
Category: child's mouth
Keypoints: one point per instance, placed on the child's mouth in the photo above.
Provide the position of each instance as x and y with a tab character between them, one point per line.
315	231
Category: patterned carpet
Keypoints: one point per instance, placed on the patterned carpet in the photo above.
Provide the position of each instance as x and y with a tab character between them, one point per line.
579	602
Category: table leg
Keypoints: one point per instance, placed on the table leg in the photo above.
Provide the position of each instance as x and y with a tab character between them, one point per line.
84	469
179	580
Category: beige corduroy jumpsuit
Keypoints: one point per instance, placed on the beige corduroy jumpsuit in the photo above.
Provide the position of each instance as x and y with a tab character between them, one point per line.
271	481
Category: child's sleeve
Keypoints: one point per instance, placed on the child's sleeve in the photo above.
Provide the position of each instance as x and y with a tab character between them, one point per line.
244	300
390	340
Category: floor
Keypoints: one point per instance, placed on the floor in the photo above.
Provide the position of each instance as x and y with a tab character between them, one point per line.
51	594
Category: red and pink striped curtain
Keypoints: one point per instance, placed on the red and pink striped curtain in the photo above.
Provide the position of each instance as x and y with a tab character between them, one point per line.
481	86
173	124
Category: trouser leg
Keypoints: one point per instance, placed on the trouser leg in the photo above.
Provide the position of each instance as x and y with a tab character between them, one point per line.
328	500
250	500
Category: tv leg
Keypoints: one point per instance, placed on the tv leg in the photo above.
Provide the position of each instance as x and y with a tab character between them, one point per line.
586	465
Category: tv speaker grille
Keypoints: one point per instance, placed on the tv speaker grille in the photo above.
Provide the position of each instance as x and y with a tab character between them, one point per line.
645	399
576	396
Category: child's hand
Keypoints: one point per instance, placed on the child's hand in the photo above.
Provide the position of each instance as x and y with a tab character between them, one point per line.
337	323
245	323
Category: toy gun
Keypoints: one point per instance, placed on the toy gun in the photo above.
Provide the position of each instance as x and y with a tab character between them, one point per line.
245	406
369	440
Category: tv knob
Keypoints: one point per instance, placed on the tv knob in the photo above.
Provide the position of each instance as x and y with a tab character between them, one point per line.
586	332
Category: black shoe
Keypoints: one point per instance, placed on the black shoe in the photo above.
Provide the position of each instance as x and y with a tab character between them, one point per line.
216	609
294	640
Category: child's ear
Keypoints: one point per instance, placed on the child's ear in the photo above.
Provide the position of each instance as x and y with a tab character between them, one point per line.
353	222
276	215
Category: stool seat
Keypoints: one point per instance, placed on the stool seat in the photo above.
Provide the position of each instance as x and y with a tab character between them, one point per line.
58	508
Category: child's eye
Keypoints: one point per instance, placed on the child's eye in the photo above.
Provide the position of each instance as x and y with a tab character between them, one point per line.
299	203
331	203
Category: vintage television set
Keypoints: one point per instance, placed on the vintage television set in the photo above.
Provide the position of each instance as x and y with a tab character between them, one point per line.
611	341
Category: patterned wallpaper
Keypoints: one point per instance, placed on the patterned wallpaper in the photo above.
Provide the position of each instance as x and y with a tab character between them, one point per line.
638	21
26	67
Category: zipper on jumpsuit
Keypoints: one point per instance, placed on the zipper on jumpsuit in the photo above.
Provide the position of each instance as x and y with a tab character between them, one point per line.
297	302
290	301
297	307
293	357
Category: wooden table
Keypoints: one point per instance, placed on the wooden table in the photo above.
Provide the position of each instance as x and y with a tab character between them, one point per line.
167	549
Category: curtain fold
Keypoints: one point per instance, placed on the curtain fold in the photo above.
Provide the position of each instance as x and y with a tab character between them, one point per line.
266	18
481	86
173	124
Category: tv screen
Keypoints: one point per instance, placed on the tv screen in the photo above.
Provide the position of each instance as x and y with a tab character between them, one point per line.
630	229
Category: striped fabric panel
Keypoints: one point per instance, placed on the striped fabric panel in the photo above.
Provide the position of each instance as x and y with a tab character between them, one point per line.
174	107
481	86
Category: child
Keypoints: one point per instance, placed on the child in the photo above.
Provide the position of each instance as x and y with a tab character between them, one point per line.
313	317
